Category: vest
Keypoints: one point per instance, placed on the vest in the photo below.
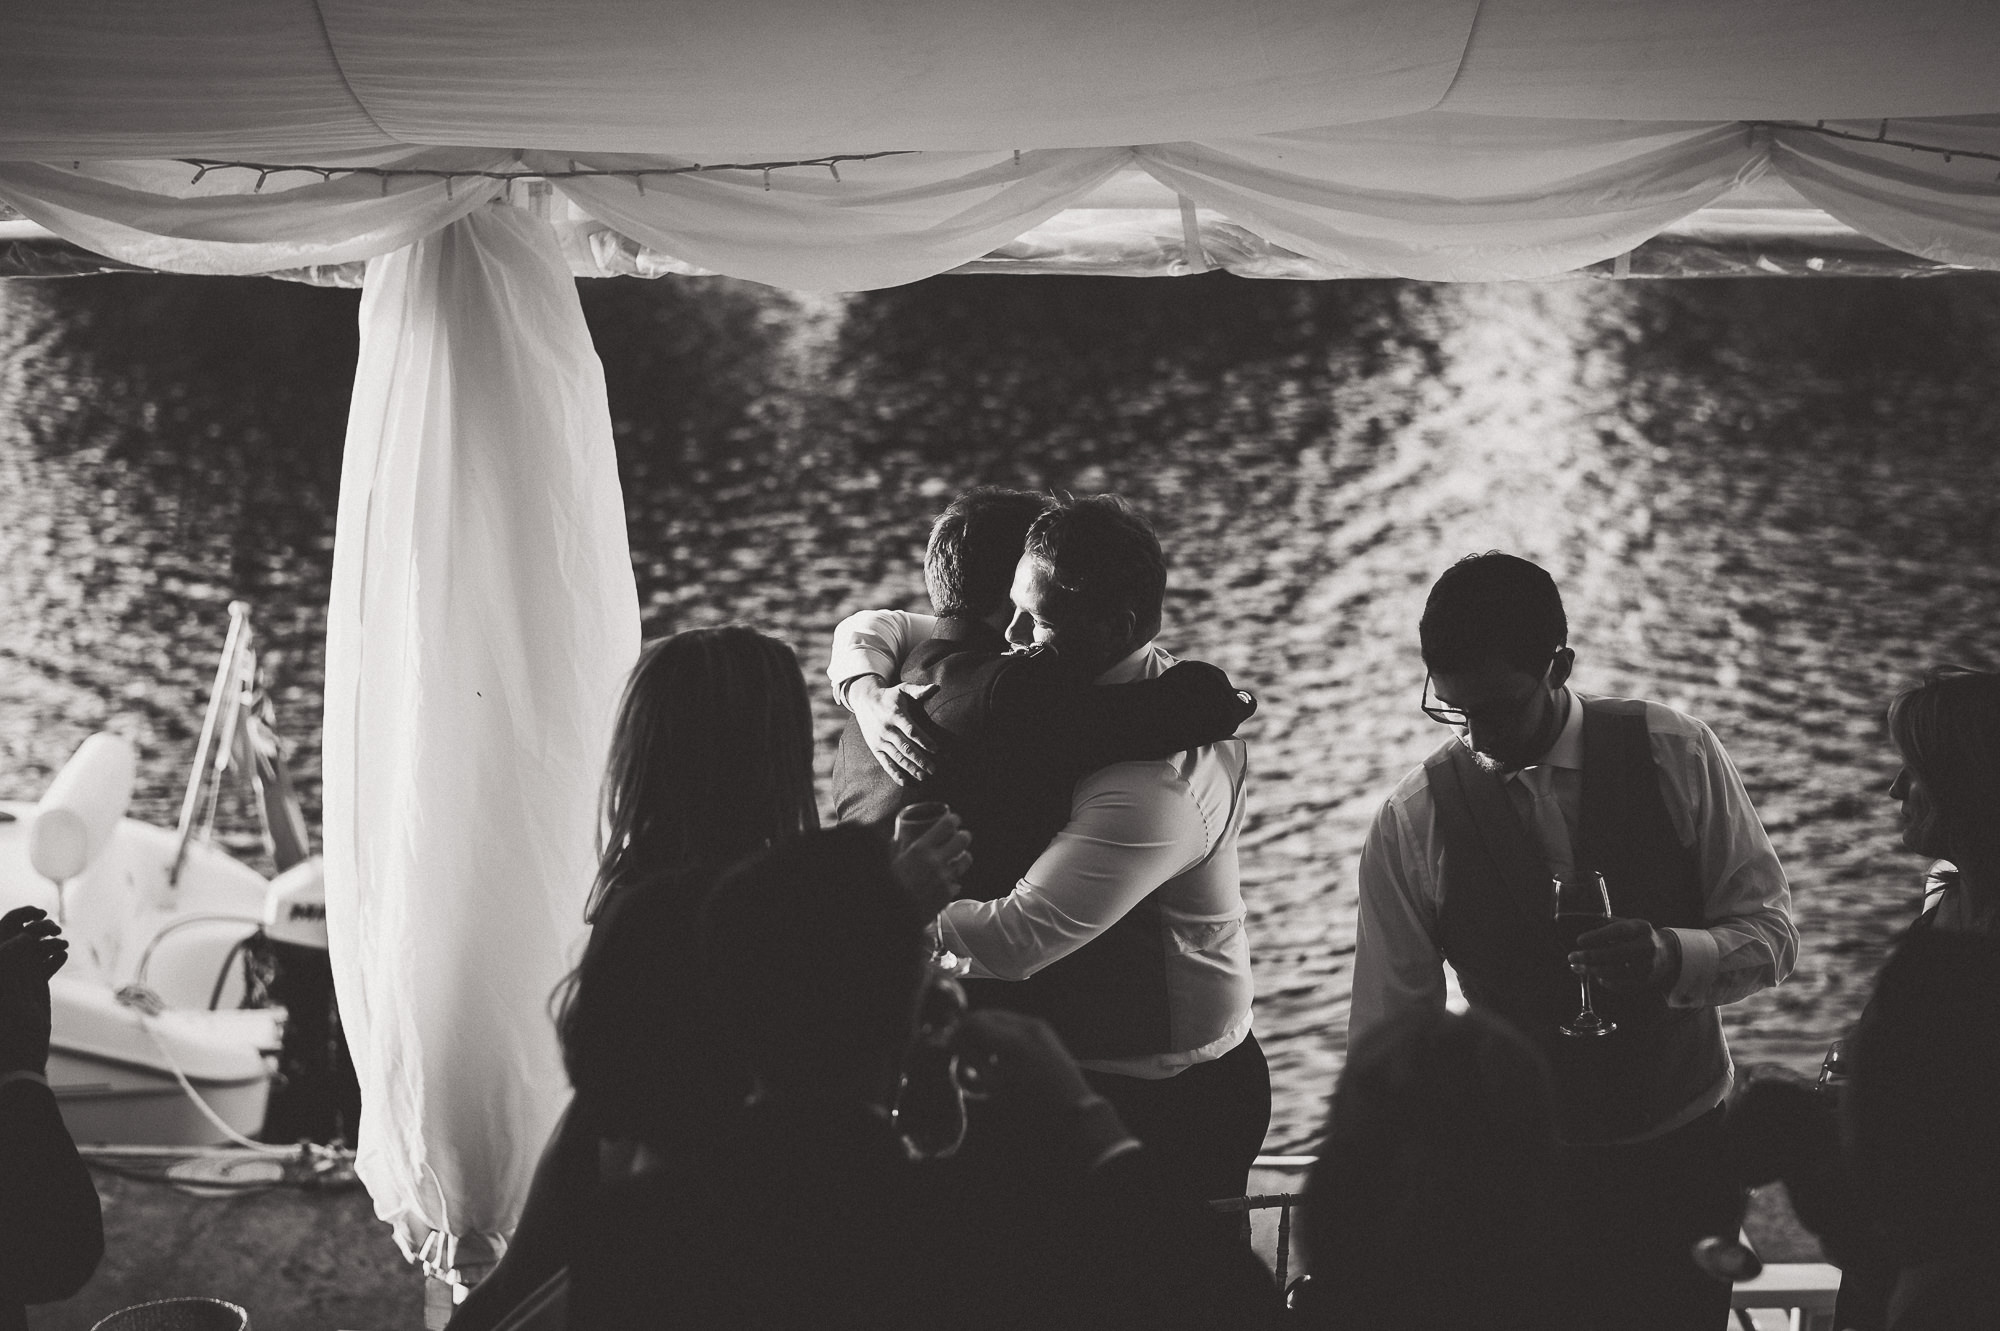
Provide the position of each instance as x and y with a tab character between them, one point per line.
1497	926
1107	999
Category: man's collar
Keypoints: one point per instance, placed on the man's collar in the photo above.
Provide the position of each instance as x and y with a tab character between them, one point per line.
1143	662
966	628
1567	751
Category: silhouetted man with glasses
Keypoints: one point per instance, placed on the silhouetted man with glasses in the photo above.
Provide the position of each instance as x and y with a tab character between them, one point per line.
1541	784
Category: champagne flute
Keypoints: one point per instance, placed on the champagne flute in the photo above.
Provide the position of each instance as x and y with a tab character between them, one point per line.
912	821
1582	904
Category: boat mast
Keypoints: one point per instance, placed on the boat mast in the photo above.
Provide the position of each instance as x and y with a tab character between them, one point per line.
226	693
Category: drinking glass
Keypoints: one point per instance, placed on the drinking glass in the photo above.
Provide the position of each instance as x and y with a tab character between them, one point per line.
929	1113
912	821
1582	904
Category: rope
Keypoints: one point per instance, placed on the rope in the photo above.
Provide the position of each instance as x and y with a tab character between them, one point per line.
148	1005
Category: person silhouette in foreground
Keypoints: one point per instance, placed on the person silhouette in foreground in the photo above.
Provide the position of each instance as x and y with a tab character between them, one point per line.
51	1230
1538	783
1433	1202
811	1212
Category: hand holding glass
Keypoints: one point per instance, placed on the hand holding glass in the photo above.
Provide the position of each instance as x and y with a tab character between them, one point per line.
1581	905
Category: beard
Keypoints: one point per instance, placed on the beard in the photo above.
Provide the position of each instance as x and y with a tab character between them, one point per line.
1497	764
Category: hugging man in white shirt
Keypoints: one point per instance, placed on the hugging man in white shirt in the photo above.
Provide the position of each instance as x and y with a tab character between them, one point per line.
1138	896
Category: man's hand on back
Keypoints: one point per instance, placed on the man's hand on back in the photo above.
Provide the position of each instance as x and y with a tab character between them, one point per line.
889	719
31	950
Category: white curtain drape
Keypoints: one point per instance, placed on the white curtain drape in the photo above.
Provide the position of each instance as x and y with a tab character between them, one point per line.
1948	210
1461	198
882	222
156	214
483	619
1439	196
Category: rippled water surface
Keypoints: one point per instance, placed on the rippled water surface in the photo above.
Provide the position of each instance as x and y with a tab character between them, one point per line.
1769	503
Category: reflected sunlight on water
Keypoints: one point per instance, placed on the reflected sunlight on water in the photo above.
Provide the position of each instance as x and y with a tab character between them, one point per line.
1769	503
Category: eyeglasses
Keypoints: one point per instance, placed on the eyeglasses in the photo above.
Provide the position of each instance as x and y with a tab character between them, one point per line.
1444	716
1452	716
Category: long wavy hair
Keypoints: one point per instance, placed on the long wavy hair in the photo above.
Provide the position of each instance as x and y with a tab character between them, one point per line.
711	759
1947	730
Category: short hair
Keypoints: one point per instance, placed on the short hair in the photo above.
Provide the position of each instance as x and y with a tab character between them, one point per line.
1493	607
975	544
1441	1141
711	757
813	954
1947	730
1102	555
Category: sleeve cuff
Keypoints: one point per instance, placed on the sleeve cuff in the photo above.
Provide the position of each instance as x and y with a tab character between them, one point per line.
1100	1137
1699	958
1123	1146
843	683
7	1078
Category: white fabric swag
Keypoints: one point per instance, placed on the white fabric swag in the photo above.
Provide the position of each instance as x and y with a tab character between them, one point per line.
483	612
482	622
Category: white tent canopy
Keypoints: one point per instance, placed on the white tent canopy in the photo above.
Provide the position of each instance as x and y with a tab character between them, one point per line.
483	609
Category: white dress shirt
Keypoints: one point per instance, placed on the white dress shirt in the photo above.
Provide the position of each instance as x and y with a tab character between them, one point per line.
1164	828
874	642
1749	942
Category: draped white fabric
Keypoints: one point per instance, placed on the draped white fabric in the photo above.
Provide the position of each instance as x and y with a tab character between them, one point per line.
1439	196
154	214
483	618
1944	210
880	223
1461	198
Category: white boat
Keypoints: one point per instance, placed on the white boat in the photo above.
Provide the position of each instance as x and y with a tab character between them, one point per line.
111	1063
151	1042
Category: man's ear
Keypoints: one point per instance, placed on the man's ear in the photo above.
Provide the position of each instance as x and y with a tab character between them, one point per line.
1126	624
1563	662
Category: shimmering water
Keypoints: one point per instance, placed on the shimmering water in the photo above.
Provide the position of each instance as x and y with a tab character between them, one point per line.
1769	503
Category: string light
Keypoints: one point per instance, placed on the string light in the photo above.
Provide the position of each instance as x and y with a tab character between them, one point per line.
1881	136
265	170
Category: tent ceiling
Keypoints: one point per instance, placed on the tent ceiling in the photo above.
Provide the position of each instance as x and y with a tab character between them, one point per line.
703	79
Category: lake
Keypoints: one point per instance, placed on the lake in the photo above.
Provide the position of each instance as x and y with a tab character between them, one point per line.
1771	503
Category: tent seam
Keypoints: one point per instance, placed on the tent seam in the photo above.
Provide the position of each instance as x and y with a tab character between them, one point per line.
1465	50
326	36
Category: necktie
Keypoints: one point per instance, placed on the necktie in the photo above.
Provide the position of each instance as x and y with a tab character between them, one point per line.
1546	822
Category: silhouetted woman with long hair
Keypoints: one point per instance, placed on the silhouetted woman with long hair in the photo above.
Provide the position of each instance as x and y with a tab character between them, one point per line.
711	760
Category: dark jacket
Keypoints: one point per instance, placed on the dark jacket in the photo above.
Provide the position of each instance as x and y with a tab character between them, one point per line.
51	1230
